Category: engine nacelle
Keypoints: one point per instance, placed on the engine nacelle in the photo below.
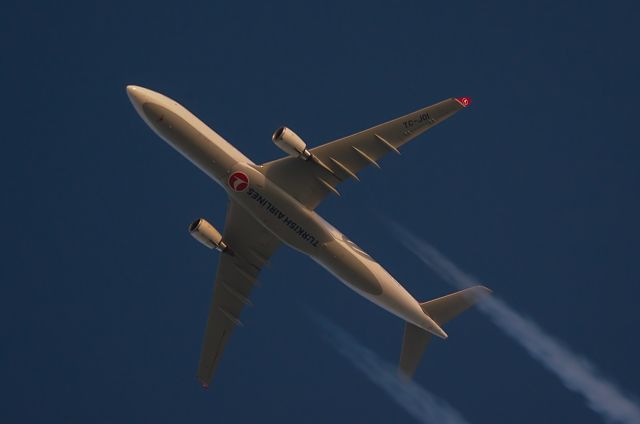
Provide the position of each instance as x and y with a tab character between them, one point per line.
206	234
290	143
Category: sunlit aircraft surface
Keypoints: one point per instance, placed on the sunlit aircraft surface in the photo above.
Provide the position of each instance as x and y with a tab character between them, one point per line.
273	204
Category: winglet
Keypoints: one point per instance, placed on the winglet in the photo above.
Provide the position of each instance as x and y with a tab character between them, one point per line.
464	101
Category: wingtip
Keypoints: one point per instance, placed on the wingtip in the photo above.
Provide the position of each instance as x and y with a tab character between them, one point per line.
404	375
484	289
464	101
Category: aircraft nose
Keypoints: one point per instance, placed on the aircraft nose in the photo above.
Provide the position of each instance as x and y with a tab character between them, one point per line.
135	94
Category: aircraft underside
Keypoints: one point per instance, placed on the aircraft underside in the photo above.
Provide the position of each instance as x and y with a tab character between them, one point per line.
273	204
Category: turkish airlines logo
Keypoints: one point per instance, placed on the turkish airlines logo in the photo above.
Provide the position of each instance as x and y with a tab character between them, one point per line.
464	101
238	181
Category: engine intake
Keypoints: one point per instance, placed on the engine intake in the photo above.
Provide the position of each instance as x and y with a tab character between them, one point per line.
205	233
290	143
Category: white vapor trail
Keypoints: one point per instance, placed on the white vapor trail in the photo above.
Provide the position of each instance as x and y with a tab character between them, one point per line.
575	372
416	401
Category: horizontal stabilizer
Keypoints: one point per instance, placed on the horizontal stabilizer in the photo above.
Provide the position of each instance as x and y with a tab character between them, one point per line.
441	310
414	343
444	309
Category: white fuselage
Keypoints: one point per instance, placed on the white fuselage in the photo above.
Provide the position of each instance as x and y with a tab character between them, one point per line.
282	215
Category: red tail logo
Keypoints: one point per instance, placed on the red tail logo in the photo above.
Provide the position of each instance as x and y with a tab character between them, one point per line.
238	181
464	101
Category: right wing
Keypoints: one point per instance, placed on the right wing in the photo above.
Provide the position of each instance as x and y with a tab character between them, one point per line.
342	159
251	245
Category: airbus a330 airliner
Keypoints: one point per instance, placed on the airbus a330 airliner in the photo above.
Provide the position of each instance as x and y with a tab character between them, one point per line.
273	204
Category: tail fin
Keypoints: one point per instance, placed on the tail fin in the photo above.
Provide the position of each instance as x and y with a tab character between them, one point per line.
441	310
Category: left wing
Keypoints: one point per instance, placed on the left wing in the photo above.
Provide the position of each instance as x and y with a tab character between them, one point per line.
310	181
251	245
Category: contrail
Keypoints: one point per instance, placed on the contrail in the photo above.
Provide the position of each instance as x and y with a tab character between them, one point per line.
418	402
575	372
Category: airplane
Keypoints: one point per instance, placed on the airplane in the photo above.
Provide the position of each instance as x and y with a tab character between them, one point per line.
274	203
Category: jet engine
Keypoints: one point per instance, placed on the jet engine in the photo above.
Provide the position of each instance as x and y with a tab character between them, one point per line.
206	234
290	143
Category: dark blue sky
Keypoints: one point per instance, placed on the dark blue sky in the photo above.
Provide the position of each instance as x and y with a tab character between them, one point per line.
534	189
